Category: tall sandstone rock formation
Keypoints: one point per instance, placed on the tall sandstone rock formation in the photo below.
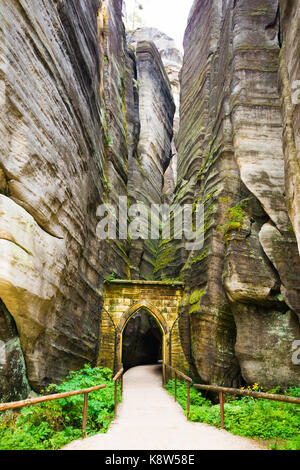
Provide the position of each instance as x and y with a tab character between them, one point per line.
243	286
153	155
290	106
56	160
85	118
172	61
75	104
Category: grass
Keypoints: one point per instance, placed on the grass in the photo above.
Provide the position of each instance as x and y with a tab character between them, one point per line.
52	425
276	424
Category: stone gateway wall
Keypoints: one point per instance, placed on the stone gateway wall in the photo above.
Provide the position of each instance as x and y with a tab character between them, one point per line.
122	300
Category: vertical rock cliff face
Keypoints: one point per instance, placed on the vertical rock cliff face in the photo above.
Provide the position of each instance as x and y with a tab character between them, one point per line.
85	118
152	158
290	106
13	381
231	159
56	160
172	61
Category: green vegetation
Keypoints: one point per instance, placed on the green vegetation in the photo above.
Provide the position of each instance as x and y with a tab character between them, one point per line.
108	140
196	399
51	425
207	160
275	422
225	199
234	220
164	258
170	281
203	255
112	277
196	296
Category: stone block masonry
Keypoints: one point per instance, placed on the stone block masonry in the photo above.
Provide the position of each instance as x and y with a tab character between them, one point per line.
122	300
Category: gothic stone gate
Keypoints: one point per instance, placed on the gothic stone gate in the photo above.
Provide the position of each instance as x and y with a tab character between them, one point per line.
122	300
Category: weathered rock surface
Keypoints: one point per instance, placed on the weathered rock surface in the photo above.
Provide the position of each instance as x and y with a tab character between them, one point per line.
90	123
13	382
53	159
172	61
281	250
289	77
264	345
170	55
146	176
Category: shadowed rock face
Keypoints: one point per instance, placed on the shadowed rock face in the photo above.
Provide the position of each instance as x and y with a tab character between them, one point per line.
54	167
231	158
13	382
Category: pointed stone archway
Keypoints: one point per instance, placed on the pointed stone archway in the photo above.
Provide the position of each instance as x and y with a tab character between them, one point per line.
159	319
122	300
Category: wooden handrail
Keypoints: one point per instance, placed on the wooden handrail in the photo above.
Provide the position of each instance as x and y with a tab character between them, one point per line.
56	396
244	393
118	376
231	391
238	391
185	377
188	382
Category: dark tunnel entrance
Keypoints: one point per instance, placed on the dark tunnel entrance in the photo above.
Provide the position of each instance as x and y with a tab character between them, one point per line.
142	340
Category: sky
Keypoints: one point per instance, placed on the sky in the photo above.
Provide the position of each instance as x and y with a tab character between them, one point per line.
170	16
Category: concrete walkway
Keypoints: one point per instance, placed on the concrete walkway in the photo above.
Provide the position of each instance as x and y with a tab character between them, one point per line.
149	419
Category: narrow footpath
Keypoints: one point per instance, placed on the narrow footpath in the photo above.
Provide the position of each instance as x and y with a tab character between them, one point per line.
149	419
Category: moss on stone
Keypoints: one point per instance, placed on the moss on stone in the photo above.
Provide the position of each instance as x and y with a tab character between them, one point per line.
164	257
234	219
203	255
196	296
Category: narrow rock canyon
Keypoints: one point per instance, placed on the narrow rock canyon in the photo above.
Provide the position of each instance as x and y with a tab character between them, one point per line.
89	113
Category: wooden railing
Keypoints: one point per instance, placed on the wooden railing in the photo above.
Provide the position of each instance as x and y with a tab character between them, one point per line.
188	382
244	393
56	396
222	390
118	376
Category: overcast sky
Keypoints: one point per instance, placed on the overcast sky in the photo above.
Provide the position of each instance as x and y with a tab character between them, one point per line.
170	16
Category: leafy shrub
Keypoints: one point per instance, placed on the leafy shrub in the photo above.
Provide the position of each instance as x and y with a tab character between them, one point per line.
53	424
234	220
249	417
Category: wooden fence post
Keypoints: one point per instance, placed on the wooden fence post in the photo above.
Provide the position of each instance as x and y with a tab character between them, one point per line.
175	387
84	418
222	409
188	400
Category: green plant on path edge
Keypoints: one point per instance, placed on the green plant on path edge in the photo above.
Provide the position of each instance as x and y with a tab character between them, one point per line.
52	425
276	423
